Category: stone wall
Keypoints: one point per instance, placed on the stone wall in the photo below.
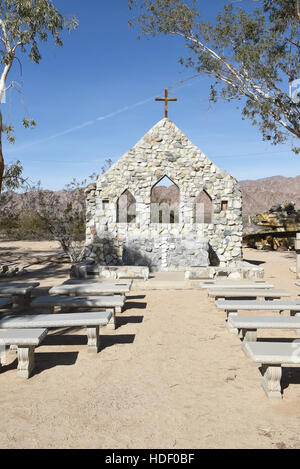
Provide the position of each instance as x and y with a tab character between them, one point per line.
164	151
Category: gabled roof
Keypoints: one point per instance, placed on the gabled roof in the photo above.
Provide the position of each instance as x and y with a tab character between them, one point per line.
163	150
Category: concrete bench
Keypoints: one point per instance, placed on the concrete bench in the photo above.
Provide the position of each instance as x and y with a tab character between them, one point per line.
86	281
250	324
91	320
233	306
124	271
297	283
20	292
259	293
4	302
25	340
235	284
272	355
83	270
96	289
114	302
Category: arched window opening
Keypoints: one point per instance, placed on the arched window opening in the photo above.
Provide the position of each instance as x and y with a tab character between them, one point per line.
126	208
165	201
203	208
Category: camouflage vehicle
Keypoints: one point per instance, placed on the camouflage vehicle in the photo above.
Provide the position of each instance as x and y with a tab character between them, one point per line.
276	228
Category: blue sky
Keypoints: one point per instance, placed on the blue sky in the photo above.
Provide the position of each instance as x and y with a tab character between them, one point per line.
93	99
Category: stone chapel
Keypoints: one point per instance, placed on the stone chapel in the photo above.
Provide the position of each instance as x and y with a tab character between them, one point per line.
200	224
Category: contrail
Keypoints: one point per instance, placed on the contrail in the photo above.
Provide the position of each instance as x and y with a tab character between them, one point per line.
79	127
91	122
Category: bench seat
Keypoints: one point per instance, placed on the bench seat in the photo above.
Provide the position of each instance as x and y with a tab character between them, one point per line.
5	302
98	281
91	320
15	288
235	284
250	324
26	340
89	289
233	306
20	293
113	302
255	293
272	355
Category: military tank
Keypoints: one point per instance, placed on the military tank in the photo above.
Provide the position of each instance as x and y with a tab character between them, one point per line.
275	229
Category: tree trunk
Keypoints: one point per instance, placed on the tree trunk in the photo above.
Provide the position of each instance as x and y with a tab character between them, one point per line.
1	154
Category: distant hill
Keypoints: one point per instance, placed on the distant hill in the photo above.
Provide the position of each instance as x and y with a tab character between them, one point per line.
258	195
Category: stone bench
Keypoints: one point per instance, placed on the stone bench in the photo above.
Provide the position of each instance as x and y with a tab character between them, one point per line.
259	293
4	302
91	320
235	284
20	292
124	271
83	270
25	340
297	283
96	289
272	355
250	324
114	302
233	306
86	281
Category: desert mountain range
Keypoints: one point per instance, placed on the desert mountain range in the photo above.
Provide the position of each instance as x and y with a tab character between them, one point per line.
258	195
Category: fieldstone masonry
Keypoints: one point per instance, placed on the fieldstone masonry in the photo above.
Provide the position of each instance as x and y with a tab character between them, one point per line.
164	151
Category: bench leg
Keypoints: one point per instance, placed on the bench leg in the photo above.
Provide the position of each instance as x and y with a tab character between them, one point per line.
231	312
231	329
249	335
295	314
271	380
112	322
93	339
2	355
13	349
25	361
118	309
21	302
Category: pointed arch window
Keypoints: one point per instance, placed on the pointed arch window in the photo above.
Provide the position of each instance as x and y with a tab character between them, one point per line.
126	208
165	197
203	208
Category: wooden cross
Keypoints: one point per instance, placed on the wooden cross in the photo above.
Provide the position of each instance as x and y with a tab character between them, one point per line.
166	99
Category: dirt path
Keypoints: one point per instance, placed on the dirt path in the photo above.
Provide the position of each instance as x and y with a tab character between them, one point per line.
171	376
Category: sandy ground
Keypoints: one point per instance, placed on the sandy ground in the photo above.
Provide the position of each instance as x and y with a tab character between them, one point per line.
170	376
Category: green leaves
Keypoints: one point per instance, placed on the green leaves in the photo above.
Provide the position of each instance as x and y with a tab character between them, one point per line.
28	123
27	21
252	56
23	24
13	176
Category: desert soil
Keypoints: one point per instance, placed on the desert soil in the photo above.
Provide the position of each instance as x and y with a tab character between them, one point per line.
170	376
